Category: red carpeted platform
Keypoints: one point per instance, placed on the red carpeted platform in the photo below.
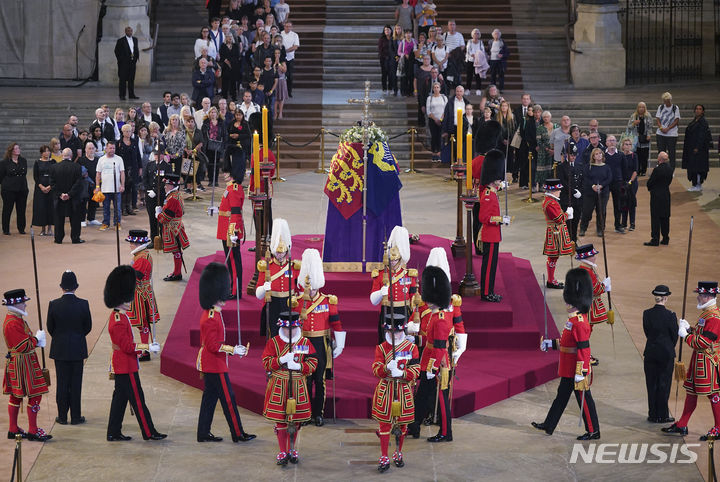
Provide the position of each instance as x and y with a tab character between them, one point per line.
502	358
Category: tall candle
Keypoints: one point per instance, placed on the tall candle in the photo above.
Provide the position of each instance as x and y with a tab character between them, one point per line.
256	161
265	132
458	136
468	161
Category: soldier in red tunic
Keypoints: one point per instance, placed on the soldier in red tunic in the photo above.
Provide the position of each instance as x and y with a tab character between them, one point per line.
396	365
118	294
319	315
231	229
23	376
446	341
574	367
400	289
144	309
290	358
557	238
212	359
276	276
702	376
492	177
174	239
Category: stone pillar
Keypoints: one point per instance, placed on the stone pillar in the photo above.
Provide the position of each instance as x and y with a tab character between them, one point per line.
120	14
598	36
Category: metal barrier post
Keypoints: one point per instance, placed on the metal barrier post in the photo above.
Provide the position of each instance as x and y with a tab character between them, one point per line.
412	170
321	169
277	158
18	466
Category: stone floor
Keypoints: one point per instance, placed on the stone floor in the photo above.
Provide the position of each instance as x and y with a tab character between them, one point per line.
495	443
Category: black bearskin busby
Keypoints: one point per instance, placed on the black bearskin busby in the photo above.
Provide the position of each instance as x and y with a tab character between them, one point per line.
214	285
493	168
489	137
119	286
435	287
578	291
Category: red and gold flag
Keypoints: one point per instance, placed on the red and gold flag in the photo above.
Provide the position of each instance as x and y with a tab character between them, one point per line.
344	185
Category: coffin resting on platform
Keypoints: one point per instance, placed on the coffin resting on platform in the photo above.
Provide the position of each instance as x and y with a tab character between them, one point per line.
502	358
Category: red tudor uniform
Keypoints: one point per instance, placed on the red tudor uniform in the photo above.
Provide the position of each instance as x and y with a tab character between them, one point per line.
174	239
702	375
230	223
399	389
23	375
598	312
557	237
144	307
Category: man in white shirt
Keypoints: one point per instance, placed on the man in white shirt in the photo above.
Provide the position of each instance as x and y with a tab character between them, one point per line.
282	10
453	38
449	122
291	42
216	36
111	179
202	114
248	107
162	110
667	119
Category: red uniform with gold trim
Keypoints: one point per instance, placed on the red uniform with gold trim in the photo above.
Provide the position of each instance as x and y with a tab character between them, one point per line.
441	324
230	220
489	216
276	393
213	354
125	351
557	236
278	275
403	286
23	375
574	346
144	307
322	314
702	375
398	389
598	312
425	315
173	231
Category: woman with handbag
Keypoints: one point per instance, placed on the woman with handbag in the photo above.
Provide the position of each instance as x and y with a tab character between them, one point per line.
42	199
174	139
640	127
214	139
435	108
510	135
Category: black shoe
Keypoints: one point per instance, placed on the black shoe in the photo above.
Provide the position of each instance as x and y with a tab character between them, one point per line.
122	98
251	249
244	437
542	426
652	242
118	438
620	230
397	459
57	242
134	97
293	456
632	227
581	233
653	420
590	436
594	361
428	421
384	464
440	438
319	422
306	423
11	435
209	437
39	436
156	436
173	277
61	421
78	241
556	285
282	458
492	297
665	241
675	429
666	420
78	421
144	357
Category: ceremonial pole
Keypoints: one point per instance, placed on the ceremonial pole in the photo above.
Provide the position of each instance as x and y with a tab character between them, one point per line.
679	365
45	371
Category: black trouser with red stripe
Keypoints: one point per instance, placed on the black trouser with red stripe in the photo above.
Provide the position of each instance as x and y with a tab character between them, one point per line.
128	389
234	265
566	387
217	387
425	404
316	381
489	267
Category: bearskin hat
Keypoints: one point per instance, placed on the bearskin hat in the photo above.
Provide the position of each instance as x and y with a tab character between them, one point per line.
489	136
214	285
493	168
119	286
435	287
578	291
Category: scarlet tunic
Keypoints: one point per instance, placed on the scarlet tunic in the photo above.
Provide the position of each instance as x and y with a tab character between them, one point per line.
702	375
598	312
213	354
322	314
276	392
441	324
403	285
574	346
557	237
425	314
278	275
489	216
398	389
144	307
173	231
125	351
23	375
230	220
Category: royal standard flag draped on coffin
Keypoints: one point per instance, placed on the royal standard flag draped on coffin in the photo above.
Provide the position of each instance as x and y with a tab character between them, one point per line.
344	184
383	177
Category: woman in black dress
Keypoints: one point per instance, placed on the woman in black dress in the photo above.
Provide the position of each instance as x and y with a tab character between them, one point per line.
13	187
42	199
230	61
238	146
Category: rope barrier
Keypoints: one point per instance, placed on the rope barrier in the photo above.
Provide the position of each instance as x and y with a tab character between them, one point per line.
304	144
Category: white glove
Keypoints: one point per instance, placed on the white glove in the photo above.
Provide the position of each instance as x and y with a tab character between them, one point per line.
267	286
154	347
570	212
41	340
429	375
503	184
546	345
293	365
506	220
413	327
151	193
233	239
461	339
607	284
339	343
579	378
377	296
397	373
410	338
239	350
392	365
384	290
684	326
287	357
260	290
684	323
577	194
158	210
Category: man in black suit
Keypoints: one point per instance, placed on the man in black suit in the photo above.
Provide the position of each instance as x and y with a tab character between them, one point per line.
107	127
572	177
661	330
127	54
66	182
449	122
69	322
659	187
521	111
